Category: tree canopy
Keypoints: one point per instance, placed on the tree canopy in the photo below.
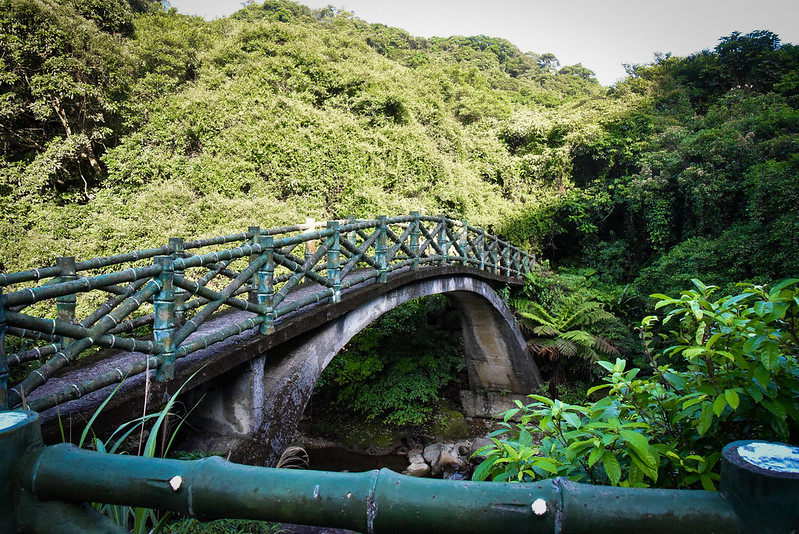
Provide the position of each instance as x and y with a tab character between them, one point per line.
123	123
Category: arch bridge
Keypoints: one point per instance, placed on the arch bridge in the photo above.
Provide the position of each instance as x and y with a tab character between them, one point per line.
248	321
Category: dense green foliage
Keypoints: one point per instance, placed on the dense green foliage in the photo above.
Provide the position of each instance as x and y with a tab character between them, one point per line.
123	124
395	369
727	371
135	124
699	178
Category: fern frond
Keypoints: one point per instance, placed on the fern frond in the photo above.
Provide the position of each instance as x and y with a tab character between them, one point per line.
604	346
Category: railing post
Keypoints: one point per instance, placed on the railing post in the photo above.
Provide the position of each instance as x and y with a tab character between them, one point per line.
266	283
65	305
164	322
482	249
463	242
442	239
253	294
352	236
506	259
414	237
381	248
495	257
333	266
178	251
310	245
3	362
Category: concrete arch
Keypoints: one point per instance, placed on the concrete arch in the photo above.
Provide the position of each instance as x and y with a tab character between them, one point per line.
282	380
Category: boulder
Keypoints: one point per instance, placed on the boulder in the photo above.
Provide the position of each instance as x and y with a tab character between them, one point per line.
448	462
432	452
417	470
415	457
478	444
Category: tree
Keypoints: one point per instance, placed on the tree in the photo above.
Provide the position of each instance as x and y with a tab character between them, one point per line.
563	333
62	80
548	62
579	71
749	61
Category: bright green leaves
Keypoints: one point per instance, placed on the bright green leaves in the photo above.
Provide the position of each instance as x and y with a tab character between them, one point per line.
742	352
732	398
588	442
612	468
567	329
762	376
729	372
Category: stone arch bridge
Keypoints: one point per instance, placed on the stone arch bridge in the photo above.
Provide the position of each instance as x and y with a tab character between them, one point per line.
248	327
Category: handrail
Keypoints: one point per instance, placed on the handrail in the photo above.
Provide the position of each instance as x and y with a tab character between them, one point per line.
188	281
757	493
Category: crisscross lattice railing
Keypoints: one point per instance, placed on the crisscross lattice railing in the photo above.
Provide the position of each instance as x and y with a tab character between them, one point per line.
153	302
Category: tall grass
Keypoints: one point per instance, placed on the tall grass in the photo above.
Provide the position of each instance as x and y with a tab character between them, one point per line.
137	520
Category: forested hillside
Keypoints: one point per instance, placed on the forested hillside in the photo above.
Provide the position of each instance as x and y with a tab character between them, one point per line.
123	124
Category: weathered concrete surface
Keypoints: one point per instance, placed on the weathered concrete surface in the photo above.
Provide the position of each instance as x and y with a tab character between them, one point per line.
496	355
490	404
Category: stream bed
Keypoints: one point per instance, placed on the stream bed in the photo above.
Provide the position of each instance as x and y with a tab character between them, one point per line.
340	459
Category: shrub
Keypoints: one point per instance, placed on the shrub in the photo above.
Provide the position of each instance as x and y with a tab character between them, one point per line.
727	371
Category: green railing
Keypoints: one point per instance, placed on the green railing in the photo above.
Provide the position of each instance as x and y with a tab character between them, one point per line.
43	490
152	301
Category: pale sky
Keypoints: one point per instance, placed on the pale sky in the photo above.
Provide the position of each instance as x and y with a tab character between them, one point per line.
600	34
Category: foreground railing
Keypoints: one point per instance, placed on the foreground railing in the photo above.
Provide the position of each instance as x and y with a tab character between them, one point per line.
42	490
152	301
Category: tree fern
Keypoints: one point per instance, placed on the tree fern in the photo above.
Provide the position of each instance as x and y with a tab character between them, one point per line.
562	332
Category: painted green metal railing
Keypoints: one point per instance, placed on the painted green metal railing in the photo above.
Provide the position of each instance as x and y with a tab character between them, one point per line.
43	490
186	283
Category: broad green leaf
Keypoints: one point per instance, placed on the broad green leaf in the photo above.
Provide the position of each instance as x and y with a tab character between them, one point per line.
699	338
612	467
596	454
785	283
572	419
777	312
719	404
484	469
605	365
691	402
732	398
705	419
598	388
775	407
647	465
763	376
693	352
637	441
755	393
770	354
547	464
780	426
712	340
753	343
707	483
762	308
541	398
525	438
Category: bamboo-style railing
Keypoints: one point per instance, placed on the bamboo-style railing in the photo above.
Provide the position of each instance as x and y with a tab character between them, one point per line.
155	299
